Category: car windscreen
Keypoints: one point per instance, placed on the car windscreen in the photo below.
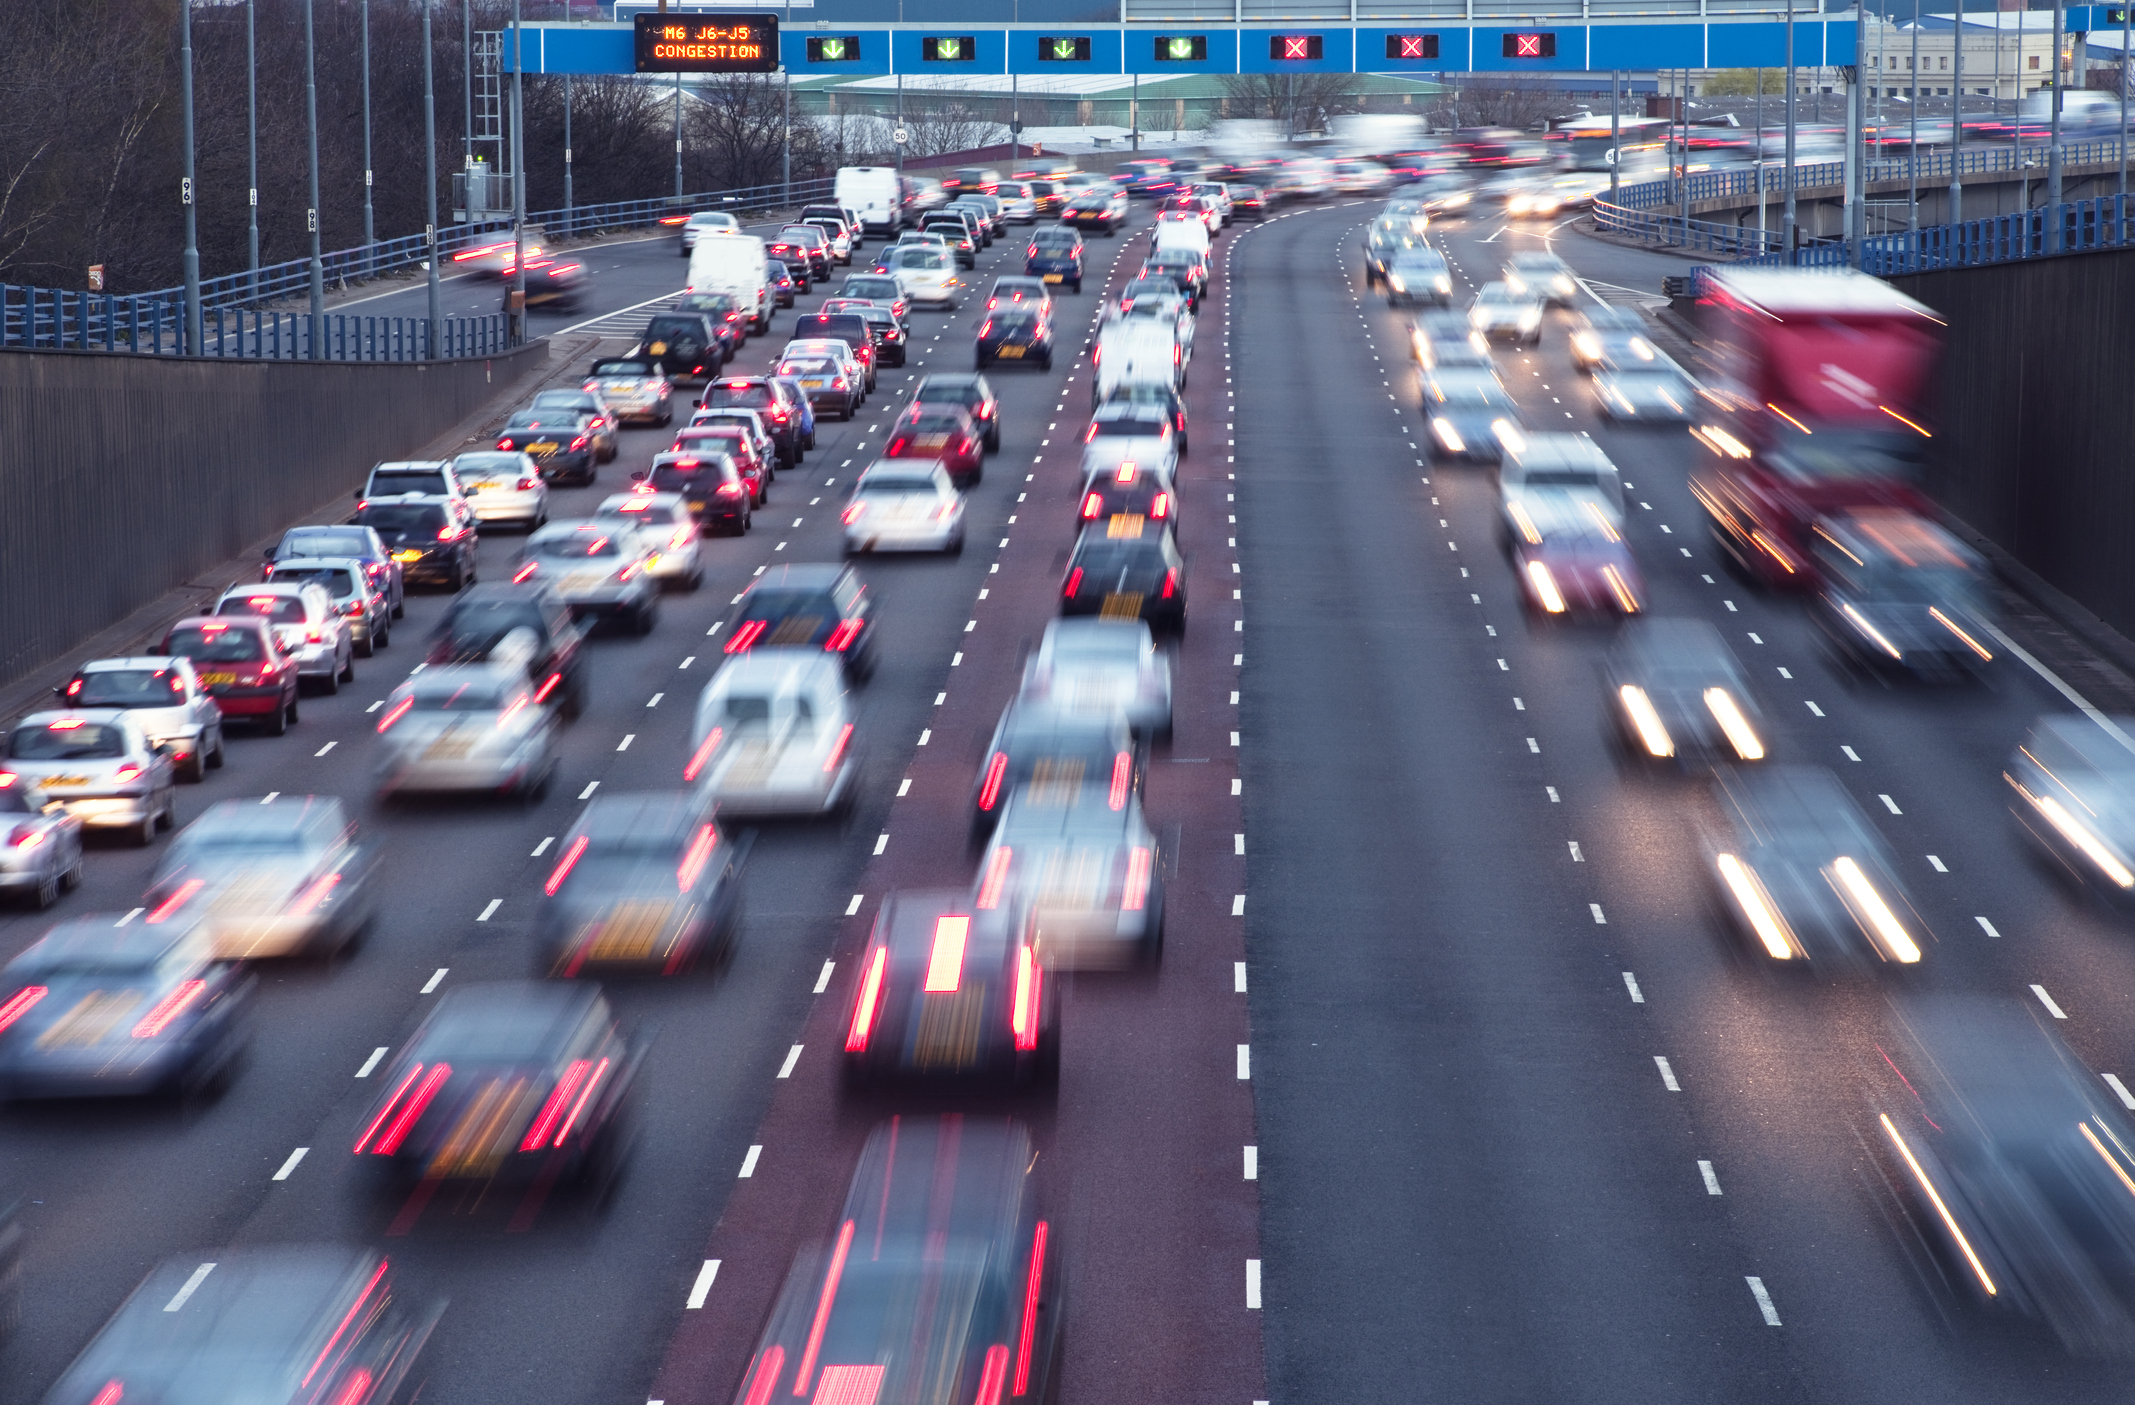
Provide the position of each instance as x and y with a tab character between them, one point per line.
282	609
388	481
1057	240
403	517
126	687
575	547
67	741
340	581
921	257
206	644
486	695
1560	478
933	423
329	543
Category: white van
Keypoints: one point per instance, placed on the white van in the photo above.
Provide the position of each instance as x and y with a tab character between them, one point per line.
1188	233
1136	352
872	192
736	264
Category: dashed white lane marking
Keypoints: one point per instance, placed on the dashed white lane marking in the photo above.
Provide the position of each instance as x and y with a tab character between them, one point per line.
270	797
822	982
1890	804
1237	843
491	910
925	734
1813	708
1252	1162
1238	905
1712	1181
2121	1089
687	662
1851	754
793	1056
904	787
1252	1284
1534	746
654	700
702	1288
375	706
377	1056
189	1287
1630	983
852	908
1238	977
430	986
1936	864
1237	786
587	793
882	841
1577	857
130	916
1552	795
1245	1061
2047	1001
326	748
291	1164
748	1163
1667	1074
542	847
1986	926
1599	920
1764	1300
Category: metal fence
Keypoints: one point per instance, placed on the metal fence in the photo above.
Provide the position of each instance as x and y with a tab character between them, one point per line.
1926	166
2107	222
240	322
1743	242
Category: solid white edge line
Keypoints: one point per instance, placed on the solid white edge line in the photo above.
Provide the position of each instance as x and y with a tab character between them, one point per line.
291	1164
702	1288
2082	704
190	1286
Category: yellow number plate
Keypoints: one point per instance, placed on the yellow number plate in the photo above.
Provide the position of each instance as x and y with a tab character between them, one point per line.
1056	277
543	449
658	348
1010	353
1122	605
50	781
213	680
1124	524
407	556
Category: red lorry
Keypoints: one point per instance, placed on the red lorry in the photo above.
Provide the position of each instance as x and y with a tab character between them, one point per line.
1816	401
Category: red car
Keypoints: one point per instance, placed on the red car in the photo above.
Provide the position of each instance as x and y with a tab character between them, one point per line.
933	430
241	666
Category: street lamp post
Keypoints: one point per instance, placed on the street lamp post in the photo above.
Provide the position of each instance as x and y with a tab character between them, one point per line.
2053	154
1787	227
252	149
1956	212
785	152
430	183
678	135
317	331
369	232
567	150
191	257
517	322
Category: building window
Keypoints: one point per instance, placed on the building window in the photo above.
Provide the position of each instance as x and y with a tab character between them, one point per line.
2034	61
1945	63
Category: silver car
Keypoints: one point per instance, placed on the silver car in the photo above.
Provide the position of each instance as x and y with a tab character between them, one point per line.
40	843
1103	666
504	487
774	735
280	876
467	727
1655	391
635	388
354	591
165	697
595	571
600	417
1501	311
1542	275
306	626
1082	868
905	505
667	531
99	765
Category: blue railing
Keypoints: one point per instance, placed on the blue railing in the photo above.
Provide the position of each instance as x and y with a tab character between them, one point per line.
1926	166
1745	242
2107	222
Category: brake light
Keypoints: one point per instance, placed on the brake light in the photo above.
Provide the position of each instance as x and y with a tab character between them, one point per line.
863	1024
564	865
128	772
996	771
986	327
20	1002
314	895
748	634
1136	892
552	1111
175	901
702	754
1074	583
993	1376
996	876
842	637
986	411
852	514
896	448
451	534
699	854
1036	1280
548	686
389	1141
1171	585
1161	507
731	490
398	711
1122	779
1092	505
501	444
520	576
169	1008
1089	434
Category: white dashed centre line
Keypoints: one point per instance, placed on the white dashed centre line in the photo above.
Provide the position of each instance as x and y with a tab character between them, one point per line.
793	1056
431	985
1667	1075
291	1164
1712	1181
702	1288
1630	983
377	1056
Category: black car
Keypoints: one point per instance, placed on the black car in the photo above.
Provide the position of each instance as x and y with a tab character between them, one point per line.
1055	256
1037	743
808	607
940	1283
974	394
1129	491
252	1323
530	616
348	543
710	483
773	399
947	994
1015	334
1183	267
1139	576
1677	693
517	1084
1248	203
1094	209
643	883
963	241
785	281
810	262
683	344
730	321
434	539
560	443
888	332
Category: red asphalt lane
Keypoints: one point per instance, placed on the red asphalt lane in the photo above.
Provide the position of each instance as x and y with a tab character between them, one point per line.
1141	1162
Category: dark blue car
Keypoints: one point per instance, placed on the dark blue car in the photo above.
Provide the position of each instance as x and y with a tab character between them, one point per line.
1055	255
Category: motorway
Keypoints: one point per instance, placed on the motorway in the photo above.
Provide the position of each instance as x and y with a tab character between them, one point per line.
1401	1075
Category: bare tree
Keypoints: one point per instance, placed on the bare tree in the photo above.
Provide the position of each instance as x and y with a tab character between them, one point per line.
948	124
1301	101
1499	100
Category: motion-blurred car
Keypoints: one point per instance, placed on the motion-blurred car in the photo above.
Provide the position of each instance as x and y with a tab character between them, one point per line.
281	876
1056	743
840	237
559	283
2074	779
466	728
703	222
1119	571
644	884
1101	210
1616	335
433	538
729	320
1655	392
1419	276
634	387
40	848
1248	202
1055	255
503	488
959	234
1471	414
818	329
949	995
922	1296
1541	470
904	505
970	390
1182	266
781	406
1538	274
925	274
1571	561
1018	290
98	765
1901	595
352	543
1014	334
667	530
1145	396
349	584
810	606
785	282
1504	313
1384	241
518	1083
881	289
305	623
1802	875
523	625
560	441
1101	668
891	340
684	345
708	483
729	440
1082	869
424	477
804	242
1677	693
297	1324
774	736
103	1006
932	430
598	573
241	666
589	405
1126	494
165	697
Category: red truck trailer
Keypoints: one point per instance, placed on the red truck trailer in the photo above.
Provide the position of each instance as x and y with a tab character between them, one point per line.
1817	399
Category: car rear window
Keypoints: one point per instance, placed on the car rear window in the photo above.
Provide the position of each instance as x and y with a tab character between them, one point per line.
204	644
340	581
958	394
477	628
921	257
1151	427
482	696
126	687
387	481
576	547
674	329
625	370
747	397
785	604
67	741
282	609
326	544
403	517
676	477
1100	557
871	287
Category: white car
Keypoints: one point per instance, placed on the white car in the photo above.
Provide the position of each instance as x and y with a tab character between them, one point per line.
1361	178
1556	475
596	571
467	727
1501	311
165	697
1544	276
926	273
1218	192
635	388
705	222
99	766
774	736
40	849
668	530
503	487
1017	204
904	505
1103	666
306	626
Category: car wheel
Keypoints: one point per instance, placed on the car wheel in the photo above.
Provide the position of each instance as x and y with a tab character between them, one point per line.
978	363
331	683
293	705
458	580
400	607
1046	364
195	769
382	634
215	757
348	666
368	647
145	835
47	892
277	724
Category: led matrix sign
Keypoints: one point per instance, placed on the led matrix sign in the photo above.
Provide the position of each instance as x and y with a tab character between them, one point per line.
707	43
949	48
1181	48
1412	46
1064	49
1293	46
1530	46
839	48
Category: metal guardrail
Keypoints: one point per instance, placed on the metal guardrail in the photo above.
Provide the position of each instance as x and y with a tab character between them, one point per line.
2107	222
1981	159
239	323
1737	241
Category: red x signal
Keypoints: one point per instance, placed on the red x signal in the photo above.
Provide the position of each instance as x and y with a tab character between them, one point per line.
1295	47
1530	46
1412	46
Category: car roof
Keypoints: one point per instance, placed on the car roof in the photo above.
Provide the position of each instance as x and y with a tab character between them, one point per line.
104	936
138	661
810	670
644	812
801	576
